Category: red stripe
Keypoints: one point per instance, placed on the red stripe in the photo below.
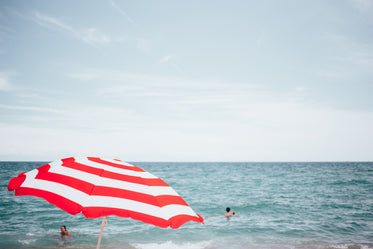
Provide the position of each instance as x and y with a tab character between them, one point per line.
72	182
112	175
91	189
120	166
15	182
178	220
95	212
173	222
159	201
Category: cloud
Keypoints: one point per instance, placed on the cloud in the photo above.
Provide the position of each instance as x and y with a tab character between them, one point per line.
122	12
28	108
143	45
122	85
167	58
361	59
350	58
363	5
5	84
48	21
6	31
84	76
271	132
91	36
300	89
145	117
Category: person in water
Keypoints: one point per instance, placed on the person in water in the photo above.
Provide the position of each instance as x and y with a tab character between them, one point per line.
229	213
64	233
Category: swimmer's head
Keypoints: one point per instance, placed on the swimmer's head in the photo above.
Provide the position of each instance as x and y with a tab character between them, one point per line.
228	209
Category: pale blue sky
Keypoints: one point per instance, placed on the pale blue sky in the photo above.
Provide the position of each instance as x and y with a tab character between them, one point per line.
187	80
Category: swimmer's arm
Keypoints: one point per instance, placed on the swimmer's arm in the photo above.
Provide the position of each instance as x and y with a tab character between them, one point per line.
209	217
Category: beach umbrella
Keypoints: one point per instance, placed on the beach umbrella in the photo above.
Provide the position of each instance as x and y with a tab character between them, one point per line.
99	187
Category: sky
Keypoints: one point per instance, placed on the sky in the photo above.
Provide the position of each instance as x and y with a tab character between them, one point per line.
192	80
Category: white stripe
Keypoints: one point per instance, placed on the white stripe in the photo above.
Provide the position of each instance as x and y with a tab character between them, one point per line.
117	162
59	189
112	169
165	212
106	182
85	200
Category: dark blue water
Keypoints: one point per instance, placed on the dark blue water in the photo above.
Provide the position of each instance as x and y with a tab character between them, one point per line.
281	205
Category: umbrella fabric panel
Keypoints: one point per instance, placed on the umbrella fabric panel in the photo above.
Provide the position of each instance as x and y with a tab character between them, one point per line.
158	196
98	187
107	179
149	204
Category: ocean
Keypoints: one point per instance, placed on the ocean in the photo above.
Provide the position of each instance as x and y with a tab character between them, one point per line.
316	205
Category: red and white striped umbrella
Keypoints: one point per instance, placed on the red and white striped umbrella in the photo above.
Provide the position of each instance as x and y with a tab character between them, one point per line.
100	187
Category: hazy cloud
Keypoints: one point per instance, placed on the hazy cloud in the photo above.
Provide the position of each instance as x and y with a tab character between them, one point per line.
91	36
27	108
5	84
167	58
84	76
122	12
281	90
143	45
364	5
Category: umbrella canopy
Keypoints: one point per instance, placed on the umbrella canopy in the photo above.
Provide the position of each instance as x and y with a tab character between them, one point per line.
99	187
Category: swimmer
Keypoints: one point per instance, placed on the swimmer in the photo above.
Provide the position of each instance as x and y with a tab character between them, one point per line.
64	233
229	213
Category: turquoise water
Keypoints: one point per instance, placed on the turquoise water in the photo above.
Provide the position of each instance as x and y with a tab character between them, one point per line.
281	205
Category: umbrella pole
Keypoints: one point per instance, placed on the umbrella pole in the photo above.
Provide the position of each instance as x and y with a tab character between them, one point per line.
103	225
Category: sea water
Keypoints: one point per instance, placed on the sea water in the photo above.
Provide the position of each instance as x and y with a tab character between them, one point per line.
326	205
